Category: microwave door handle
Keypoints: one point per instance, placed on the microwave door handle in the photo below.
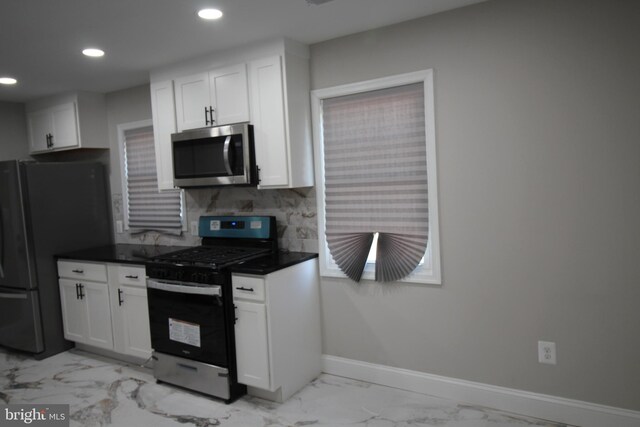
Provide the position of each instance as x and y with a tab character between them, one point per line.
225	155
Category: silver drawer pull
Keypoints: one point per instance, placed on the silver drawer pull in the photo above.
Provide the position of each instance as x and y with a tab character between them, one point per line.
131	277
245	289
77	271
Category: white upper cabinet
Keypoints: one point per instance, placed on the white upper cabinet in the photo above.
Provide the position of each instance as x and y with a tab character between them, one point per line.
40	126
229	95
67	122
282	125
214	98
269	88
164	124
192	101
53	128
268	114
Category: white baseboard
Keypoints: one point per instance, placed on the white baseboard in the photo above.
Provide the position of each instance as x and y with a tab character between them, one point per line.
559	409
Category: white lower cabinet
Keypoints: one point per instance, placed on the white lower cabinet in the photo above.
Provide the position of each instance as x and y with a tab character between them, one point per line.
277	331
252	348
85	312
129	310
109	310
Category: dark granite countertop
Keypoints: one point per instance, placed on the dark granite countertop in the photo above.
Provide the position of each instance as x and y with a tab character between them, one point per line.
122	254
140	254
269	264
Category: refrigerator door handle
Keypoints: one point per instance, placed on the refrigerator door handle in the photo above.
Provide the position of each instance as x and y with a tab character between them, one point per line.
4	295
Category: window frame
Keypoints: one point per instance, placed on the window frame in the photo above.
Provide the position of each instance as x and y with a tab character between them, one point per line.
430	271
122	129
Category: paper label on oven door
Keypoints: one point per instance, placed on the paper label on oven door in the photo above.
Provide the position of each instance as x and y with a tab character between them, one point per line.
184	332
256	225
214	225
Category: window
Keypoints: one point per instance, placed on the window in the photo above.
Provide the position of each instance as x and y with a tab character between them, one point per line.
146	208
374	145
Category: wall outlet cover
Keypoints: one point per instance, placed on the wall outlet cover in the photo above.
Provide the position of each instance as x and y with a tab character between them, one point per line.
547	352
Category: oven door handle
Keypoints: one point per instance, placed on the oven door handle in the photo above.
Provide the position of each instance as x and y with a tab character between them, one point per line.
182	289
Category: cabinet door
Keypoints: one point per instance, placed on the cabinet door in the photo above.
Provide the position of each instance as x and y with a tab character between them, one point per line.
64	126
252	349
192	97
134	314
40	126
73	311
268	118
98	314
229	94
164	124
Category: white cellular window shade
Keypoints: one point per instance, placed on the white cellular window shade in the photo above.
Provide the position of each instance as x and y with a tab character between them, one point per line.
375	167
375	164
147	207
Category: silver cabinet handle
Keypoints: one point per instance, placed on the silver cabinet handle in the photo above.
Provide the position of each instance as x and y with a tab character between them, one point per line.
77	271
131	277
225	155
195	289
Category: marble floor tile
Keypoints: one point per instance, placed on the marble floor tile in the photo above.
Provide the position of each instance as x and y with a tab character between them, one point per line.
105	392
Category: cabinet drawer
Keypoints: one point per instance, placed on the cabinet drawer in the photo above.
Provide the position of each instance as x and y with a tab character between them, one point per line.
131	275
248	287
82	270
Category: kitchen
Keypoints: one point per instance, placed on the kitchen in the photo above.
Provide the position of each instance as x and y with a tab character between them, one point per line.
509	76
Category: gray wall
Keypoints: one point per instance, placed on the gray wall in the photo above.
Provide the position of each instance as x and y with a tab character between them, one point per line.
13	131
124	106
538	140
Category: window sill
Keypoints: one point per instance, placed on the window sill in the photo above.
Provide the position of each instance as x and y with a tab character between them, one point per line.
422	276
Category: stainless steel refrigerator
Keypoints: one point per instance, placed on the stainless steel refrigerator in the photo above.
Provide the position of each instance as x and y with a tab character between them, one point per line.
45	209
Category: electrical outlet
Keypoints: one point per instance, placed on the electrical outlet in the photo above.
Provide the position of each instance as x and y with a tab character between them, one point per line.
119	227
547	352
194	228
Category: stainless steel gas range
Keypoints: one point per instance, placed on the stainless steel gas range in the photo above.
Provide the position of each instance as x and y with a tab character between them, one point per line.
190	304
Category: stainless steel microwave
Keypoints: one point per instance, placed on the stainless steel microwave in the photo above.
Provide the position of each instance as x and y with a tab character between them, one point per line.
213	156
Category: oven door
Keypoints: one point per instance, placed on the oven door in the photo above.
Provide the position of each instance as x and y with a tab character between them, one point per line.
187	320
213	156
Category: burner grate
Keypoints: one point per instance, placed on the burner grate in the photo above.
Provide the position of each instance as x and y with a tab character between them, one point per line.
211	256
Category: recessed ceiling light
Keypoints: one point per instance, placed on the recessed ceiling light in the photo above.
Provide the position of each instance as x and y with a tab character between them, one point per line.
210	14
94	53
8	81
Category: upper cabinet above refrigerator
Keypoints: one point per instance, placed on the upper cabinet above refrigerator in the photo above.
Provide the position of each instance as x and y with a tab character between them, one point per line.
67	122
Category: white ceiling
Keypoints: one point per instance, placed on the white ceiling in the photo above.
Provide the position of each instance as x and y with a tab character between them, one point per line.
41	40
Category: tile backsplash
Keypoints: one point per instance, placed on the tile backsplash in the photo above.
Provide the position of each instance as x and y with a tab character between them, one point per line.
295	211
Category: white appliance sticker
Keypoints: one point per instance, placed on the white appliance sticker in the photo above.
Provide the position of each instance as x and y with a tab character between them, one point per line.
256	225
214	225
184	332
